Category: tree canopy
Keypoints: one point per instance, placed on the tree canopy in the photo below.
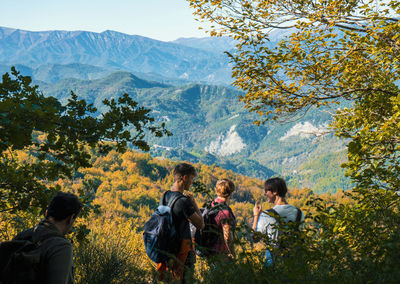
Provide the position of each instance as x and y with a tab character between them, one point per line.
58	137
329	52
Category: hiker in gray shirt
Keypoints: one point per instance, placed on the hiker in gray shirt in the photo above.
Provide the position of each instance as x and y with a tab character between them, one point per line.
56	259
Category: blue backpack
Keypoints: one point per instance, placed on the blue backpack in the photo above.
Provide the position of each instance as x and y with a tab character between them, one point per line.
159	236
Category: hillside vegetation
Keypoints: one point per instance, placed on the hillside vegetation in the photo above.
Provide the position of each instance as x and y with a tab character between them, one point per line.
209	125
334	68
125	189
173	79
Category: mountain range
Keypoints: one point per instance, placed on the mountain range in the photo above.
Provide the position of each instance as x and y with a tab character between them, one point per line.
115	51
208	122
209	125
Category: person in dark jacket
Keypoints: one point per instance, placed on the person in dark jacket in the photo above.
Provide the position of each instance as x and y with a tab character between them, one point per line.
56	264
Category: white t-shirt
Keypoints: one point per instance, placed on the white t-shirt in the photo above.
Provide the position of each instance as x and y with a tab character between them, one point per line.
267	224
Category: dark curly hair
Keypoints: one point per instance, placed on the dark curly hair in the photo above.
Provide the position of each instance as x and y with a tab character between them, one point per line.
184	169
276	184
63	205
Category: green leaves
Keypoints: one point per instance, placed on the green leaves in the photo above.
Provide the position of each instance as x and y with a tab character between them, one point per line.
58	138
125	113
332	51
373	153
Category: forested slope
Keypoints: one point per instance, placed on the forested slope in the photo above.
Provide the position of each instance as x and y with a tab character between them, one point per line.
126	189
211	126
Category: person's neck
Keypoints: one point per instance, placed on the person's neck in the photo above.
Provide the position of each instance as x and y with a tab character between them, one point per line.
223	199
280	201
59	225
177	187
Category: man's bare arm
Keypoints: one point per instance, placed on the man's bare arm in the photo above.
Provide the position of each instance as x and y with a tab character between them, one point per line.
256	214
197	220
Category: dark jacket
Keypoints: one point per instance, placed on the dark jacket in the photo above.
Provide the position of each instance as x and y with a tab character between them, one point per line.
56	253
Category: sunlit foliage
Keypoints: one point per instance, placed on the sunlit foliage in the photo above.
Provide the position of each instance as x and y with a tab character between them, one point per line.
345	236
59	138
328	52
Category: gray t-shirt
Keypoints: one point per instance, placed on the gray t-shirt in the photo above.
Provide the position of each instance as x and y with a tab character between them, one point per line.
267	224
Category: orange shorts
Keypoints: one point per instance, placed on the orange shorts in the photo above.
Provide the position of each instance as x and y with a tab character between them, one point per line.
174	267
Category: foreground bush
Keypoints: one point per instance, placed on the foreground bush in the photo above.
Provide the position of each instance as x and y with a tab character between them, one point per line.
346	242
356	242
112	253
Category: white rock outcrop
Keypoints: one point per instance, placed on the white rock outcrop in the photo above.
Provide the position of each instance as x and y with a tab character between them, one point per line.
156	146
165	118
304	130
226	145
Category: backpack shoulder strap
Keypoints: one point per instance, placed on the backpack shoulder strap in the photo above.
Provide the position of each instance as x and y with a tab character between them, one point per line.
217	207
225	206
171	202
230	211
39	239
298	216
162	200
273	211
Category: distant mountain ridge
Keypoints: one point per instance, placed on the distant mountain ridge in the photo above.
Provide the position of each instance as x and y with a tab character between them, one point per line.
215	45
112	50
180	82
52	73
211	126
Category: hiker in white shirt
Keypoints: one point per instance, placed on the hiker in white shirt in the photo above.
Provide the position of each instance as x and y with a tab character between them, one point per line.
275	190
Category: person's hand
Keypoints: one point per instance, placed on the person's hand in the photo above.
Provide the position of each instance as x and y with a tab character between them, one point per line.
257	209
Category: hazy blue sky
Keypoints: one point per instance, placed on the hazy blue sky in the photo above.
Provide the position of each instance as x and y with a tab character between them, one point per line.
159	19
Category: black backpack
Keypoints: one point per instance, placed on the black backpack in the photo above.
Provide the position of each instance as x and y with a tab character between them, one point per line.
20	261
206	239
159	236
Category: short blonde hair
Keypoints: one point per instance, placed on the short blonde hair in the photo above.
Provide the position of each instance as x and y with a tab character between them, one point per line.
224	187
